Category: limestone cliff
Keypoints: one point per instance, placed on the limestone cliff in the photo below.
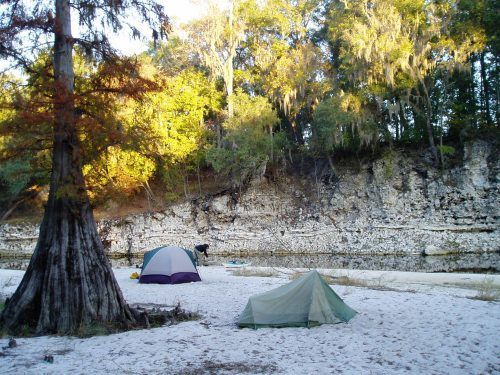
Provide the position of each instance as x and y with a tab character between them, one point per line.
397	204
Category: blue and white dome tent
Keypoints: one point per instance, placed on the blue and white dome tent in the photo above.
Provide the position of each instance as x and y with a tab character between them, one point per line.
168	265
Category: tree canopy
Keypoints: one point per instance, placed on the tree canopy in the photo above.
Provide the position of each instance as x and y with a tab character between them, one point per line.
319	77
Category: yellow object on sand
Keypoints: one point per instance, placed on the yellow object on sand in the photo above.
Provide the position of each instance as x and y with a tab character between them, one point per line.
135	275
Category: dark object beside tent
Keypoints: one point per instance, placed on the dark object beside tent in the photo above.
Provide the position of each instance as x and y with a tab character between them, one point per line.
305	302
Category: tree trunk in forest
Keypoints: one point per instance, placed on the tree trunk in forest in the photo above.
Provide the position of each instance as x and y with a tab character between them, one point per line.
229	69
430	133
485	89
497	92
199	177
428	121
402	119
218	131
472	90
229	78
69	283
397	126
463	105
271	135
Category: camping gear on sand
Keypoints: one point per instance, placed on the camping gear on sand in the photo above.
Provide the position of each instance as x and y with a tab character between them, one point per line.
305	302
168	265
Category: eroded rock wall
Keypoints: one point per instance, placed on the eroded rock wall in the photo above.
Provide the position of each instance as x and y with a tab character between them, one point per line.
395	205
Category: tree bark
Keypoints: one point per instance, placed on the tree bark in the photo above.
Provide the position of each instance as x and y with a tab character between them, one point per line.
497	96
229	78
397	126
485	89
69	283
402	119
229	68
428	121
271	135
472	90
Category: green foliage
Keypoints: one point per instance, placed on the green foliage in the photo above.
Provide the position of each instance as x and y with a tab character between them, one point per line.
342	122
447	150
175	116
24	161
118	172
221	159
15	176
171	122
253	117
290	80
173	56
330	75
250	141
286	63
402	53
96	328
26	126
384	38
162	135
389	158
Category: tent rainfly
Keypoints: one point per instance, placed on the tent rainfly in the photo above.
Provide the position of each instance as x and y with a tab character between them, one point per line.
168	265
305	302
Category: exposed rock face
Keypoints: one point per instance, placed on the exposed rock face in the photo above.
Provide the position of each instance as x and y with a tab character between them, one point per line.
395	205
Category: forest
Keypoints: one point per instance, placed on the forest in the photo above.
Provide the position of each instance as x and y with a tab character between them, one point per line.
251	88
255	87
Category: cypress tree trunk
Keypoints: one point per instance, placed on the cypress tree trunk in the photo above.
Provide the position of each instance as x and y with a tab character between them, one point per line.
69	283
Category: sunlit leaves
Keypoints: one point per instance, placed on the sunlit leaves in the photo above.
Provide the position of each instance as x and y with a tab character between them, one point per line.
174	117
118	172
383	39
292	76
341	74
253	116
288	67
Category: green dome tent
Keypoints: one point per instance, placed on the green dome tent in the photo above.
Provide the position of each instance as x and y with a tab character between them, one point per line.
305	302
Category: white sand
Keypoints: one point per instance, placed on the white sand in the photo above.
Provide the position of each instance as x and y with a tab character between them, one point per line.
426	326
